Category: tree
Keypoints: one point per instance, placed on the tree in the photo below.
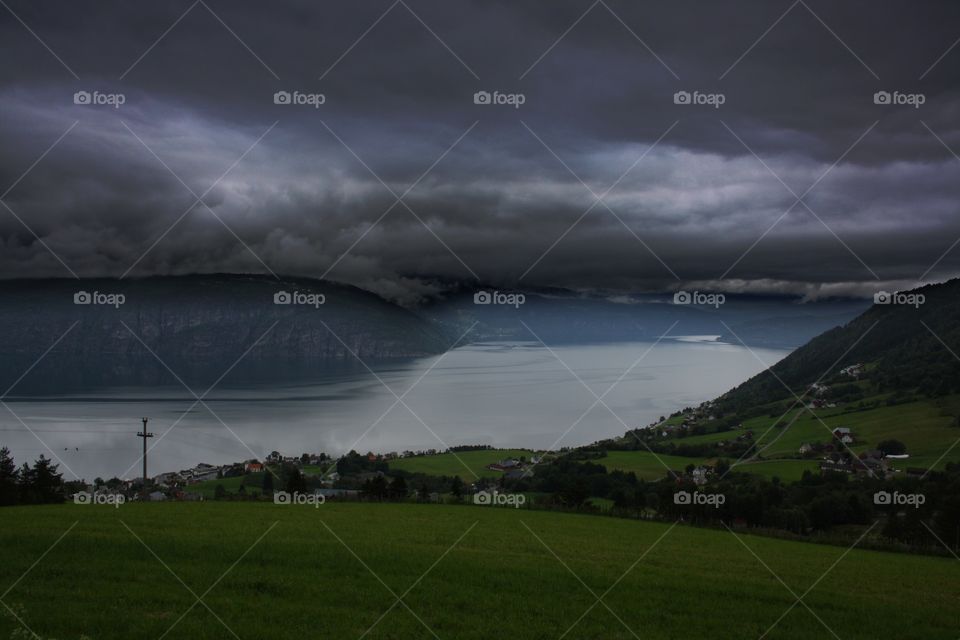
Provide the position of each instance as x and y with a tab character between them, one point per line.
295	481
721	467
25	485
652	502
8	479
267	483
375	488
48	484
456	487
892	448
398	488
219	493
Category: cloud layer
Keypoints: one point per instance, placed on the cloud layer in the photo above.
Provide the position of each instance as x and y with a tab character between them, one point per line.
490	192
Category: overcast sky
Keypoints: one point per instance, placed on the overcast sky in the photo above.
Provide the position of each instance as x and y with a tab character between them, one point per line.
497	192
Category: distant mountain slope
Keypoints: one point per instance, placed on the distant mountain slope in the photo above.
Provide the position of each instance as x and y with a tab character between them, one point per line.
563	316
199	326
908	348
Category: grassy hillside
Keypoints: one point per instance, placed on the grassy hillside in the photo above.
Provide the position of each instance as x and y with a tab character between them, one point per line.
461	464
928	428
270	571
904	345
648	466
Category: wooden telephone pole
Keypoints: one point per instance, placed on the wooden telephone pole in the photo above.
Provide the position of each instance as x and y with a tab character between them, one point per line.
144	434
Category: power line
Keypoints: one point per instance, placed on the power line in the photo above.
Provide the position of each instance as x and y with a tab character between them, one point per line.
144	434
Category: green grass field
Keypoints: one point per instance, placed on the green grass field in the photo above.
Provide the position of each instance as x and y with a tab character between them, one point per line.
272	571
651	467
645	464
459	464
924	427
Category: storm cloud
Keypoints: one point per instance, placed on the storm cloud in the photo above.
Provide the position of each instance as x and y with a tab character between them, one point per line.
793	179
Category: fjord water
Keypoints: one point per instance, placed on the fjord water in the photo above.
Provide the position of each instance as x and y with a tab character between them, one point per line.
501	394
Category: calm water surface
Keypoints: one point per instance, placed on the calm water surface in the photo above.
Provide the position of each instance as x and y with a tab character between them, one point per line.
502	394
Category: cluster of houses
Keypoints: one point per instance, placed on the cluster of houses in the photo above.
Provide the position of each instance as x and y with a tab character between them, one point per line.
838	458
817	400
745	437
691	417
698	415
868	463
514	469
700	474
842	436
853	371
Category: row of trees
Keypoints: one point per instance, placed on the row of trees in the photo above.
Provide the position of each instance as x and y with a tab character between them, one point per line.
39	484
815	504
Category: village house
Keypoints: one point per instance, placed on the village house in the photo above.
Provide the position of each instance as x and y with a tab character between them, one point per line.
507	464
836	466
167	478
818	389
844	435
700	475
853	371
872	466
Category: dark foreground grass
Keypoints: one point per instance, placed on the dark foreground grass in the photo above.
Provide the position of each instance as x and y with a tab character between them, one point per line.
276	571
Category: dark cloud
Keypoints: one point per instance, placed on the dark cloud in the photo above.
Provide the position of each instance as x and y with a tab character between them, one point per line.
299	200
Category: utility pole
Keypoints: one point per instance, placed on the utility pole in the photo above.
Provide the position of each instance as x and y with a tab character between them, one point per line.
144	434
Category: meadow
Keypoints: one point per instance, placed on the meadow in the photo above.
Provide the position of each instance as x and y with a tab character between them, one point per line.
469	465
258	570
925	427
649	466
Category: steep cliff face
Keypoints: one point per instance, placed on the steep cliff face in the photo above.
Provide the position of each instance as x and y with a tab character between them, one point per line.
199	326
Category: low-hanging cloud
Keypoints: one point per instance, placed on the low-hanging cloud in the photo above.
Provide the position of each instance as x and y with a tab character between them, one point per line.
499	196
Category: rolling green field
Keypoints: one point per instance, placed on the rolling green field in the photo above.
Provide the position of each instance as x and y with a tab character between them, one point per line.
648	467
924	427
459	464
258	570
645	464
